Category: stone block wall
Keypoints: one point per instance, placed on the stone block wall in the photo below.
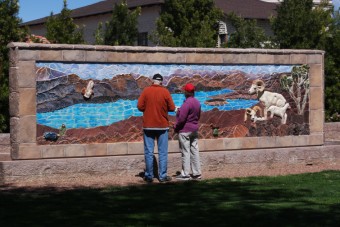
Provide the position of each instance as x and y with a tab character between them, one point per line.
332	131
23	95
5	149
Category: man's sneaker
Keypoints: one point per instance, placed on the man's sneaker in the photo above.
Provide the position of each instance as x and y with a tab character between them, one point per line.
181	177
148	180
196	177
164	180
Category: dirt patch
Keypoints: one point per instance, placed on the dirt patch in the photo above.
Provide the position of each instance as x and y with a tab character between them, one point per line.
62	182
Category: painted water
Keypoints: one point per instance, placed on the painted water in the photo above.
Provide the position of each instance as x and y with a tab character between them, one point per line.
89	115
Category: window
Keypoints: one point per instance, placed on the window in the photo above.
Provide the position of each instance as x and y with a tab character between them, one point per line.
143	39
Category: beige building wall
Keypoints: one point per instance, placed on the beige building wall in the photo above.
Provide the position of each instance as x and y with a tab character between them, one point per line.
146	23
90	25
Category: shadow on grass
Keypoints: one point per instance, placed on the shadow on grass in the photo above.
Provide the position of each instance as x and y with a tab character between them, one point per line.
220	202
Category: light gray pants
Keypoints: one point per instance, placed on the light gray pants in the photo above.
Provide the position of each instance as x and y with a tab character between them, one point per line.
188	142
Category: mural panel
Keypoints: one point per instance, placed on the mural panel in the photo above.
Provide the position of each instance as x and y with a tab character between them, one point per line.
97	103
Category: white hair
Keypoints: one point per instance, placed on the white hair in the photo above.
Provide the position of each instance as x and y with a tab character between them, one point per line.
158	82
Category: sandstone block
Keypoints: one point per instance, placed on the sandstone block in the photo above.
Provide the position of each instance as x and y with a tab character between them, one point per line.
265	59
314	59
23	129
316	139
175	57
137	148
282	59
117	57
284	141
28	55
13	79
298	59
96	56
214	144
117	149
316	75
29	151
316	98
316	120
75	150
26	74
55	151
74	55
51	55
231	143
96	149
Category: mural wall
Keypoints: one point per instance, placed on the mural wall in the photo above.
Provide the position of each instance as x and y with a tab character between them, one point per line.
96	103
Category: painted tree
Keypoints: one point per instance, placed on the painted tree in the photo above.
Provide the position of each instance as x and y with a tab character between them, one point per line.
121	29
190	23
9	32
247	34
297	85
62	29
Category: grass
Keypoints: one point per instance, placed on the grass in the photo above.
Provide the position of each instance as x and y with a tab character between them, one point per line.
311	199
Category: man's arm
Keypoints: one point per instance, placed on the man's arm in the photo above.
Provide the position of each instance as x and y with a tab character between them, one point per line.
141	102
171	104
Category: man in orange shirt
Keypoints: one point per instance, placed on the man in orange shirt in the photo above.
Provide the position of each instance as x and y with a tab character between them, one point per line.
155	102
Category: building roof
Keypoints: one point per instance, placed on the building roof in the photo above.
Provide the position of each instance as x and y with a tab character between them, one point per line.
101	7
254	9
250	9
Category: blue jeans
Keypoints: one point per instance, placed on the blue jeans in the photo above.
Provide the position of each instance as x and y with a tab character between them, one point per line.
149	144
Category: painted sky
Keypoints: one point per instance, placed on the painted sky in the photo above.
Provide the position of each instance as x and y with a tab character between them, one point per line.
107	71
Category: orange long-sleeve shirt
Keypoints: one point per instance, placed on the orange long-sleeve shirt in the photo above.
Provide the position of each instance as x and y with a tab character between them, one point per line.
155	102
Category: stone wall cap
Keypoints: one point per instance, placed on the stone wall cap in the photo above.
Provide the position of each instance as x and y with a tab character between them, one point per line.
39	46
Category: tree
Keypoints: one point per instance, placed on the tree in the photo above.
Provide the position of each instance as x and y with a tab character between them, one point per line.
61	28
121	29
99	34
190	23
9	32
247	34
332	71
299	26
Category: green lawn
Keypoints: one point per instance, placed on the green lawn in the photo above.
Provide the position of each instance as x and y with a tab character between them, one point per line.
294	200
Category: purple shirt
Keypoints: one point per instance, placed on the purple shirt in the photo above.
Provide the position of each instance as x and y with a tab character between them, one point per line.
188	115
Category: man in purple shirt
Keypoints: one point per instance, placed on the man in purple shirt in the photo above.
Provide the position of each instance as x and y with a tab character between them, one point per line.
186	125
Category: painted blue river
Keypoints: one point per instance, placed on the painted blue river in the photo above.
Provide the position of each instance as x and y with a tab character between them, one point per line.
89	115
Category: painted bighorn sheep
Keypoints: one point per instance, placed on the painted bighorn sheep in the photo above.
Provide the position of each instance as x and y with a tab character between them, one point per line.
88	91
266	97
252	113
280	112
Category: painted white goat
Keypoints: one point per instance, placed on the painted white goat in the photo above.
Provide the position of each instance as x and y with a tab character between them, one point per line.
252	113
266	97
280	112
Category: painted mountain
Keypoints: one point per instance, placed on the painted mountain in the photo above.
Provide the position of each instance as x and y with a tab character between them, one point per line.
56	90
